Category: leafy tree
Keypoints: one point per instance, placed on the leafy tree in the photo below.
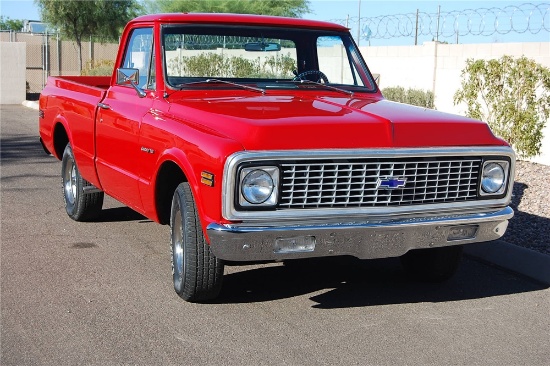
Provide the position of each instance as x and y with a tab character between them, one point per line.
79	20
512	96
288	8
6	23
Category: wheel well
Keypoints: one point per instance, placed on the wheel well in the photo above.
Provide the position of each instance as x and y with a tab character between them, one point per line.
168	178
60	140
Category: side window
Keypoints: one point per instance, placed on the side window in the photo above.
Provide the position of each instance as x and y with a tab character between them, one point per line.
139	54
335	61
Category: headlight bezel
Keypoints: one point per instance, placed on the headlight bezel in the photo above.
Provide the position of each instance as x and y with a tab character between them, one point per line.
271	201
504	164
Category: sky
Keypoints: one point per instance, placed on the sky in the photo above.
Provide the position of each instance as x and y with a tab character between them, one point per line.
340	10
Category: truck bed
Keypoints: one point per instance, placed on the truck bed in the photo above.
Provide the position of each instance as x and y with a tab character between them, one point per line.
72	102
94	85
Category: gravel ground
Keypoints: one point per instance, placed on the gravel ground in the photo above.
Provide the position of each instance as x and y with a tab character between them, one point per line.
530	227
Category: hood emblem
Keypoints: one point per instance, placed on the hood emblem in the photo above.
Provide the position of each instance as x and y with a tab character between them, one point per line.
390	183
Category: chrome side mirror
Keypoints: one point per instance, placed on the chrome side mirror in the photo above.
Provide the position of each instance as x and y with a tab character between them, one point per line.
130	77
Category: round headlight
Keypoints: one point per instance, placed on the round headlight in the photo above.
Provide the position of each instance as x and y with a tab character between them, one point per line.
493	178
257	186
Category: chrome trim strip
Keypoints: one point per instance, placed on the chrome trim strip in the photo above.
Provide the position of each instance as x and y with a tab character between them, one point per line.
366	240
228	184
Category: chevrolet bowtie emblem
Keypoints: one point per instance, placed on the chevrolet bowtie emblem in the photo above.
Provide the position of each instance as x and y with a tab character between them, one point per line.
391	183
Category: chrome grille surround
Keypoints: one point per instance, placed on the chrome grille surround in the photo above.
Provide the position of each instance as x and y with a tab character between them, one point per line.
328	183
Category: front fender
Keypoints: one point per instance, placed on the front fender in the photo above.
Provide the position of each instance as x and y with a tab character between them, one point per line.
169	144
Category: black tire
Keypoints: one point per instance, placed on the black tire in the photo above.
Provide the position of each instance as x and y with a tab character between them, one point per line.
434	264
80	206
196	272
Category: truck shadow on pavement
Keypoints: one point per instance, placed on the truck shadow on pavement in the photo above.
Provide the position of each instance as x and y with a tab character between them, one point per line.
120	214
23	150
348	282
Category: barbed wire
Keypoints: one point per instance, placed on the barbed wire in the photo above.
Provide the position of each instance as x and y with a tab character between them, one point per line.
524	18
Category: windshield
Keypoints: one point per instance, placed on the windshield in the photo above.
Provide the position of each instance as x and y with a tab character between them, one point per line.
263	57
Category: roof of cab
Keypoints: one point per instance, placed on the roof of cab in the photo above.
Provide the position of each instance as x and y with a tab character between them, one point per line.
226	18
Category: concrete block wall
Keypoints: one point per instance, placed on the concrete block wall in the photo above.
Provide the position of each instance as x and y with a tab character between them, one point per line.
12	72
437	67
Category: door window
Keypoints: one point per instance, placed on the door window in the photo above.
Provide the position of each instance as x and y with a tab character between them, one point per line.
139	55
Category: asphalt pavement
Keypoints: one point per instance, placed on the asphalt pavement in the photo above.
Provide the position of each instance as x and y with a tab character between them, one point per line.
100	293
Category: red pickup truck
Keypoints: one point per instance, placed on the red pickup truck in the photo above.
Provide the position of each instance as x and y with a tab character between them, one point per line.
261	138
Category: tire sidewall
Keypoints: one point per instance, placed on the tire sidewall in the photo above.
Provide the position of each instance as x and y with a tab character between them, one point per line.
197	273
176	220
179	203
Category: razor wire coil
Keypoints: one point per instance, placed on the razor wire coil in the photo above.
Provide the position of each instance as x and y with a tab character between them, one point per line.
525	18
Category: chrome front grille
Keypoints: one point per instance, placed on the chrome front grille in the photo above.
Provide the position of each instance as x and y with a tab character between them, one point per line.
355	183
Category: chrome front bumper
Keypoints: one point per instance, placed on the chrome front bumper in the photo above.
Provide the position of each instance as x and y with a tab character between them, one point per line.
365	240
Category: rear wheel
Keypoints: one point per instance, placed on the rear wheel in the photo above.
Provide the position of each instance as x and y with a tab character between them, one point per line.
197	273
434	264
79	204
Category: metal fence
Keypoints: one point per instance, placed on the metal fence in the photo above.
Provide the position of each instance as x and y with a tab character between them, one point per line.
49	55
451	26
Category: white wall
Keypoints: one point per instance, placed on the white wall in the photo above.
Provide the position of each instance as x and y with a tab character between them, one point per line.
12	72
437	67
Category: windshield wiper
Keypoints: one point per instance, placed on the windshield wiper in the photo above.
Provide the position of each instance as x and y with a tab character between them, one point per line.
242	86
309	82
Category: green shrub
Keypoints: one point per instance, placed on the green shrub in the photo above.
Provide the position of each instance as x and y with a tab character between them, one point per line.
213	64
98	68
512	96
411	96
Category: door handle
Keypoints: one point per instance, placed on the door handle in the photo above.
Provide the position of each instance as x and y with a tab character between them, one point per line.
103	106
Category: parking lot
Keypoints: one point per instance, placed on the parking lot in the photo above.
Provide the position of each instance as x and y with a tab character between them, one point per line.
101	293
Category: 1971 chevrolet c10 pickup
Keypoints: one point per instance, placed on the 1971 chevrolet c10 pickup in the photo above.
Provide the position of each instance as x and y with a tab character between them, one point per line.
261	138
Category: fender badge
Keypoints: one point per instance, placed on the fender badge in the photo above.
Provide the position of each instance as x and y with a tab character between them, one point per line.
390	183
147	150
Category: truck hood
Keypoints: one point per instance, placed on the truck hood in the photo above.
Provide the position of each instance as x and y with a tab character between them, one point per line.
309	121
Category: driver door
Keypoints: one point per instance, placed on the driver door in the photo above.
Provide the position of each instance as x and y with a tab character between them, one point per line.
118	124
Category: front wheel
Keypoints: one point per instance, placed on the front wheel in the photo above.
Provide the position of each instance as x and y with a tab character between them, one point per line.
433	264
79	204
196	272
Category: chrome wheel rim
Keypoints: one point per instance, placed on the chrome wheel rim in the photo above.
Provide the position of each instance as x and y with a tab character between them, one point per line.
70	182
177	248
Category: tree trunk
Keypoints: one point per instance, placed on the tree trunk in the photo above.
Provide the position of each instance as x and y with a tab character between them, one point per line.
79	46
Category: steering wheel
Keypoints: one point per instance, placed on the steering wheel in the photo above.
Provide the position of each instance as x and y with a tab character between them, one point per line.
320	74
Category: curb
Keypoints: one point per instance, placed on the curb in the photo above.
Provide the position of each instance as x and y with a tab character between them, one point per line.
514	258
30	104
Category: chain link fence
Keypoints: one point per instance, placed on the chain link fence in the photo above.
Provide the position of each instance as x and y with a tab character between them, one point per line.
49	55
